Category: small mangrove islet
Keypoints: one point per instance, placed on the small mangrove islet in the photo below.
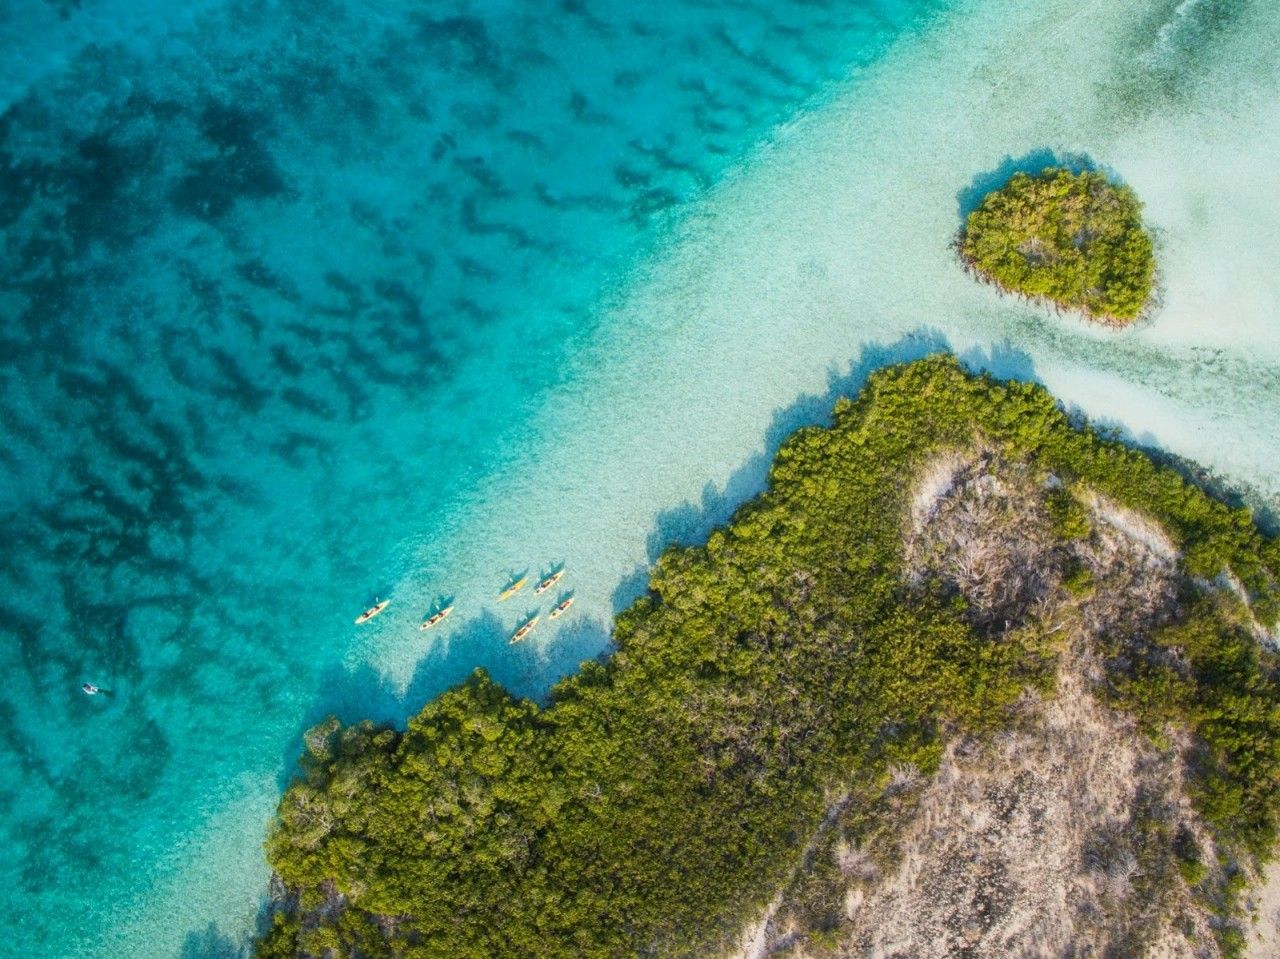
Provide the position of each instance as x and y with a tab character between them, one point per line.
1073	239
954	606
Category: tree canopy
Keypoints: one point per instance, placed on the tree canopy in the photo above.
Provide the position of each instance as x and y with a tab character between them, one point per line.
1075	239
660	798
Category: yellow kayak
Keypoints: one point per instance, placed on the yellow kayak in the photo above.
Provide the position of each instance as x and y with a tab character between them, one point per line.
524	630
372	611
513	588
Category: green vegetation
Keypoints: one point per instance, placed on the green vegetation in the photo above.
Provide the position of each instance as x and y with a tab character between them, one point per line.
1073	238
1069	517
1217	686
662	797
1209	675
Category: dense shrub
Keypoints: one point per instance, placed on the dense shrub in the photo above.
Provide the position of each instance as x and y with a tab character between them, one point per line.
1073	238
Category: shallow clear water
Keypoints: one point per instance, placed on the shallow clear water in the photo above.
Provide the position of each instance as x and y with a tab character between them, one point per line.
318	303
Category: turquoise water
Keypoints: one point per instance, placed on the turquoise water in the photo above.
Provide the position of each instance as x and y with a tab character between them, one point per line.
284	288
305	304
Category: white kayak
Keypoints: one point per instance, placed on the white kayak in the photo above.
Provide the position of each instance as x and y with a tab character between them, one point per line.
372	611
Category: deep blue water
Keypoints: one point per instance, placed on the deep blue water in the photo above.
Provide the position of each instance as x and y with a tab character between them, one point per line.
282	286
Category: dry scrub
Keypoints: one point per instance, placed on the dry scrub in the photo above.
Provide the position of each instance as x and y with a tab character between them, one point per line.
1069	833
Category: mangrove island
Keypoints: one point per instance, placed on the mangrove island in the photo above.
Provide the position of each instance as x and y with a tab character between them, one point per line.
1075	240
955	605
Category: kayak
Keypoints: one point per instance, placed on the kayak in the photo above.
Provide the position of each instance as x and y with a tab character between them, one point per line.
547	583
372	611
513	588
562	607
524	630
436	617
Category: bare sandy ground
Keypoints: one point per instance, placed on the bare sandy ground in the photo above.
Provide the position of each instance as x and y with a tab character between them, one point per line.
1264	939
